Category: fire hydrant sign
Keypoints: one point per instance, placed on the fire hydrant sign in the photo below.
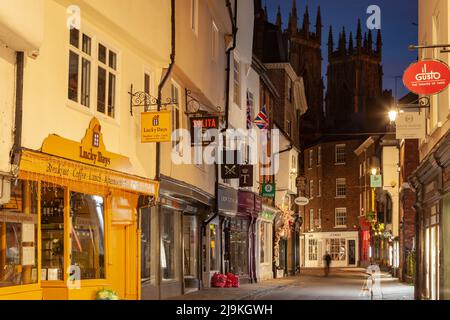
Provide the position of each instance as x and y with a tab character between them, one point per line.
427	77
156	126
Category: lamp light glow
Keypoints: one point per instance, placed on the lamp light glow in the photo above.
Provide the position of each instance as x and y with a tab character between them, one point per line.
393	115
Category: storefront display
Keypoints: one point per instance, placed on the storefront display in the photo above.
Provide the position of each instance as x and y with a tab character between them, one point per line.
77	217
19	236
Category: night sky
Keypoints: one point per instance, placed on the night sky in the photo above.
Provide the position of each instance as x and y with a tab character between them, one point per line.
398	26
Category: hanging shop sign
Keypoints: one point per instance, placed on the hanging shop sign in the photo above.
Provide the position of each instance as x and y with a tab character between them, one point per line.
58	170
301	201
427	77
376	181
156	126
230	171
246	176
268	190
200	136
410	125
230	164
90	151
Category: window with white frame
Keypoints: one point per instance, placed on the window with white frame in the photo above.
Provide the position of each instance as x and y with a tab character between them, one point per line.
80	66
312	249
311	159
106	80
237	82
340	154
319	155
341	188
214	41
176	115
341	217
337	249
311	219
319	218
194	15
311	189
319	189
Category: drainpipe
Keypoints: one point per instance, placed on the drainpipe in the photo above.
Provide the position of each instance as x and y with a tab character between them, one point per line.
160	88
233	19
159	105
15	152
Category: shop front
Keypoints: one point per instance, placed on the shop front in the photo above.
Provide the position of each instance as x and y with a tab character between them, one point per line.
264	243
342	246
365	228
175	229
432	184
71	228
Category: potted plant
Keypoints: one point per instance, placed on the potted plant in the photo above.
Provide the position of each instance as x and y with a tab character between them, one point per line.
106	294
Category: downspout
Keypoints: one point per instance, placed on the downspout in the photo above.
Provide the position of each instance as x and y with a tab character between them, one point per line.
233	19
159	105
15	152
160	88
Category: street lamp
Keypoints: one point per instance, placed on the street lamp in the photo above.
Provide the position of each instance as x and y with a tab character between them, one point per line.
393	115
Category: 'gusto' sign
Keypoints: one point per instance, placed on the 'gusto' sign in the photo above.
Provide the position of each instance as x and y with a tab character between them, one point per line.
427	77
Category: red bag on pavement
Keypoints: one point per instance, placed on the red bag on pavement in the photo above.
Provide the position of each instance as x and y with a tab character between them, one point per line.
218	280
232	281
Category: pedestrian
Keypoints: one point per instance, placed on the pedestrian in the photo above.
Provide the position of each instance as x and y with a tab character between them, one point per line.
327	259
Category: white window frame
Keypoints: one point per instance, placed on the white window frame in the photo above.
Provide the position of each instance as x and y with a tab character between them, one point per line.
339	183
312	250
311	189
319	156
319	218
340	215
311	158
311	219
95	64
319	188
338	154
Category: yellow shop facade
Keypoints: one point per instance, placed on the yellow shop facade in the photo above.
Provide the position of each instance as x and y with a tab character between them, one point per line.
71	227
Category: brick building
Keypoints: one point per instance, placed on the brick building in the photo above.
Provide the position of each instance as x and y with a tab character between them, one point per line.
331	218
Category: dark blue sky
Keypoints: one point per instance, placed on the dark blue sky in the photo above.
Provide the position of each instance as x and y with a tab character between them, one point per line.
398	19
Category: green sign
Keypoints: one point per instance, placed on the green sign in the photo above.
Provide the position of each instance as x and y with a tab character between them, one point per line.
376	181
268	190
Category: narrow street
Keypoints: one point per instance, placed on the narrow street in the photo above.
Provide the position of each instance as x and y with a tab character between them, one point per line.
342	284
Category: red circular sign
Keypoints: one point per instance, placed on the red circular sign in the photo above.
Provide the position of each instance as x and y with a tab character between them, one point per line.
427	77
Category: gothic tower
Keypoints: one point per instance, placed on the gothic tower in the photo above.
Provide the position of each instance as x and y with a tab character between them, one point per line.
305	55
354	78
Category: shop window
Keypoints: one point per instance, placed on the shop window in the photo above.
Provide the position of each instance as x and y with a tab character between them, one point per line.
190	246
146	245
52	232
238	246
18	236
312	249
319	155
88	235
214	246
265	242
337	249
311	159
169	244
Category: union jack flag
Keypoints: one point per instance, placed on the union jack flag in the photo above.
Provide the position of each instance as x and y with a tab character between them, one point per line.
262	120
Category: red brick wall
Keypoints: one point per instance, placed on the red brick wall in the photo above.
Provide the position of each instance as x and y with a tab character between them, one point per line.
328	172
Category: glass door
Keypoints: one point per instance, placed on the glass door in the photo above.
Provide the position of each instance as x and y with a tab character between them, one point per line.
190	254
352	252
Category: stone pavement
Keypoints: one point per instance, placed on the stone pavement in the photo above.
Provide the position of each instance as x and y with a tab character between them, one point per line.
342	284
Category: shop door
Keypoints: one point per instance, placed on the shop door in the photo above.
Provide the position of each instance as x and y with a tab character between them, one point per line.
117	266
190	253
352	252
320	254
